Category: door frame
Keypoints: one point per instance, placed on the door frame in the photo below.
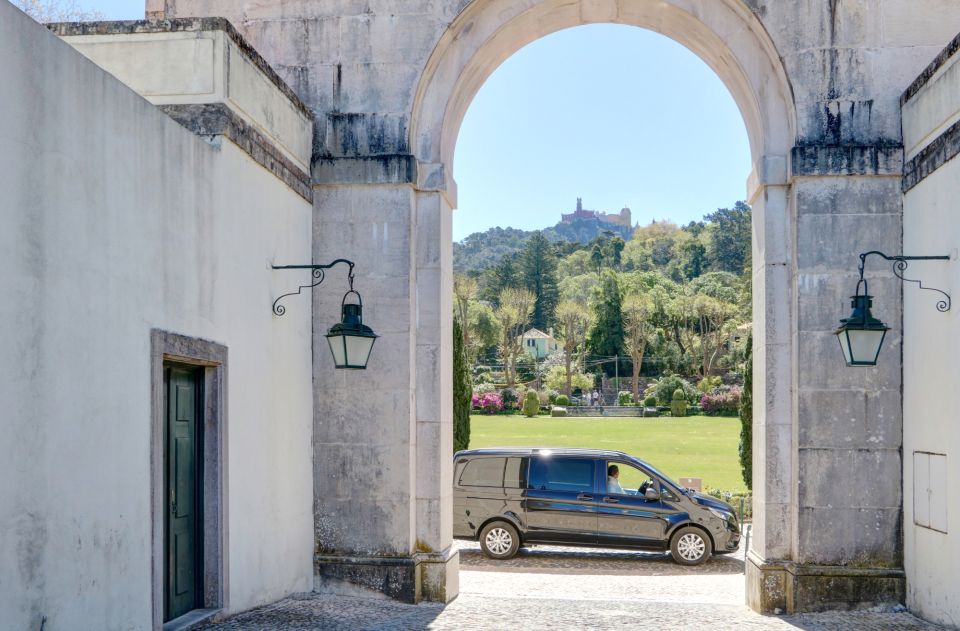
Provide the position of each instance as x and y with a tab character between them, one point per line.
171	348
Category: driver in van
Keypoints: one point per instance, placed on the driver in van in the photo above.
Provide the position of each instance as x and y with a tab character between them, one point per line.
613	483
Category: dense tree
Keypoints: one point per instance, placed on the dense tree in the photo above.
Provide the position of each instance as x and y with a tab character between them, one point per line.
720	285
578	289
607	335
513	314
638	330
538	269
729	238
652	246
462	391
694	281
576	264
464	292
482	250
505	274
615	247
702	326
556	379
484	330
596	257
693	256
573	323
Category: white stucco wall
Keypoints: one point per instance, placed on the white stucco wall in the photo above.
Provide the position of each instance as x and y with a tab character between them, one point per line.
115	220
931	357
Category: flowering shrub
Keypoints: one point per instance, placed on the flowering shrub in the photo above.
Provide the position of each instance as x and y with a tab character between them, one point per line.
721	402
489	403
483	388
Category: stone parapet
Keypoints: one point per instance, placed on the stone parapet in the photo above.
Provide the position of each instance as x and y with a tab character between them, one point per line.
203	62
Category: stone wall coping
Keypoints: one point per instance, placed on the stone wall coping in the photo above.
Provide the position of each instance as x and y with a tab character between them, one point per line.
216	119
939	62
415	558
183	25
814	569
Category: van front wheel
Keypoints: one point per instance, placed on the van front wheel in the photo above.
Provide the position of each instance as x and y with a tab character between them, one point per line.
499	540
690	546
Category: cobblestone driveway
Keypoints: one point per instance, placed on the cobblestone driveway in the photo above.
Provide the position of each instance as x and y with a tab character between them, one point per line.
567	588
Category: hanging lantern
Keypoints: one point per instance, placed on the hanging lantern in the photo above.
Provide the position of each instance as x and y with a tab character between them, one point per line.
861	335
351	340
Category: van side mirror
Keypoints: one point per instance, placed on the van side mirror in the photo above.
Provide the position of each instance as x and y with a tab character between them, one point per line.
651	494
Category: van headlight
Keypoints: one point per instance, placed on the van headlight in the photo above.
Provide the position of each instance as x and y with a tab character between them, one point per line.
719	514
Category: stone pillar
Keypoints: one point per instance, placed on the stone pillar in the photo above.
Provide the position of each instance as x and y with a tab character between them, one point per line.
774	317
434	396
828	532
383	437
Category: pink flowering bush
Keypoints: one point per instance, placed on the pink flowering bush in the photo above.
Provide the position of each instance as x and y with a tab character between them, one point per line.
721	402
489	403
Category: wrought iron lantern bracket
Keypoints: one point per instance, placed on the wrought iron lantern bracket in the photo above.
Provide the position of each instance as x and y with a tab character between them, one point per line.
318	274
900	264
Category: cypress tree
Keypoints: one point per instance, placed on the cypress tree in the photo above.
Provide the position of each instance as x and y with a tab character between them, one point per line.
462	391
746	418
607	335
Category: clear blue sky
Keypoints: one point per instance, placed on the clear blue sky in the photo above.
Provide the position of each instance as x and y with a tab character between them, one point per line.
615	114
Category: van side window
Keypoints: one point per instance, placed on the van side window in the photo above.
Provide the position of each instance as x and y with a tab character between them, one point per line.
515	475
483	472
561	474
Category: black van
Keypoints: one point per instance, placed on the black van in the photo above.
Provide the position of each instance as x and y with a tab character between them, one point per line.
507	497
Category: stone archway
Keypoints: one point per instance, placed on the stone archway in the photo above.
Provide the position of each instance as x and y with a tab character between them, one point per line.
733	42
818	85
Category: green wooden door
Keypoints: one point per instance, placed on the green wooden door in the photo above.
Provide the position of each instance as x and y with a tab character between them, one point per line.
182	480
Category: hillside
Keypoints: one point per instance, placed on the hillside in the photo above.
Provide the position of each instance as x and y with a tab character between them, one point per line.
482	250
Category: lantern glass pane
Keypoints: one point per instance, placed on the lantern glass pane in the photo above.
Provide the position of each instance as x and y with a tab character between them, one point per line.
339	350
865	345
845	345
861	347
358	350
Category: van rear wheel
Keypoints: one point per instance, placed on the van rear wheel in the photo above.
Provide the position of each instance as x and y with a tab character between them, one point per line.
499	540
690	546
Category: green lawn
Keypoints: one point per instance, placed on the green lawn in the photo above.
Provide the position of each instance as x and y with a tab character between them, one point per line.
696	446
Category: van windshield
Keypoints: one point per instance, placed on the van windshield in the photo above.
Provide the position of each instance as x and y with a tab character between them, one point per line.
663	477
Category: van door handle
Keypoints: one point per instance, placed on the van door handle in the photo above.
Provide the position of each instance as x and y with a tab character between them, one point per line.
584	496
612	500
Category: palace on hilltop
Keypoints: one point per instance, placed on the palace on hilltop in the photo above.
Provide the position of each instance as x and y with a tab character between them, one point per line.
623	218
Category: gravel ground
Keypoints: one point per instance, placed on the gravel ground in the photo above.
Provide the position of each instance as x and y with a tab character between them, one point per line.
569	588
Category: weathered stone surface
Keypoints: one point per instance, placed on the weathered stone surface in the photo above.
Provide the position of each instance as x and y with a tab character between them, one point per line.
829	588
858	536
849	419
848	195
397	578
833	476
